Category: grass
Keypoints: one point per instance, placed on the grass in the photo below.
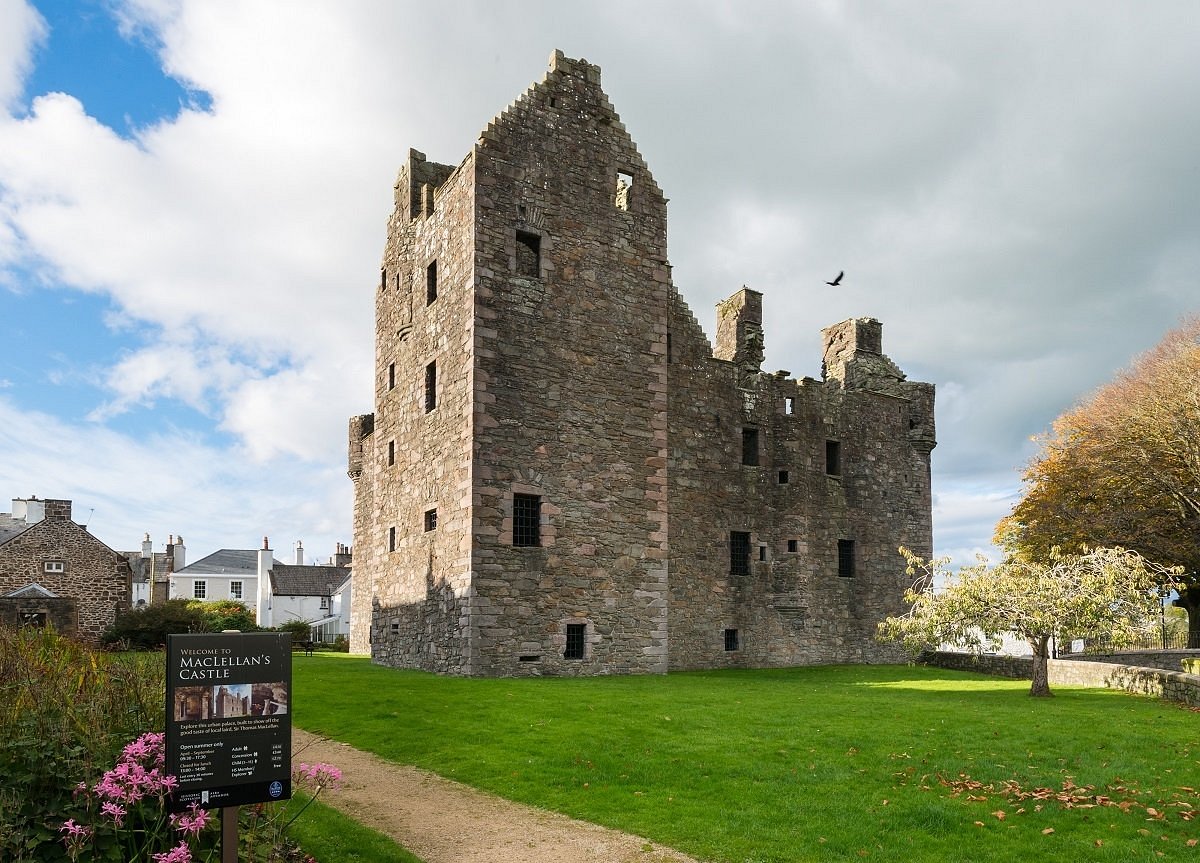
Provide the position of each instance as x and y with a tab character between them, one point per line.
824	763
327	834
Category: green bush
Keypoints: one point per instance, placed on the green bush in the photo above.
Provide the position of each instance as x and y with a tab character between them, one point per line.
225	614
300	629
147	627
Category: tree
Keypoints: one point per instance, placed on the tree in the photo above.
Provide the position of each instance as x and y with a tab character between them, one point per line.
1104	591
1123	469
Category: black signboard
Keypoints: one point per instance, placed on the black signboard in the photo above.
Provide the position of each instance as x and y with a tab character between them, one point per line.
229	724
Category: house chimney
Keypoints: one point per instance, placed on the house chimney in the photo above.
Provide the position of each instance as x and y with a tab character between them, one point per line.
147	547
176	554
299	552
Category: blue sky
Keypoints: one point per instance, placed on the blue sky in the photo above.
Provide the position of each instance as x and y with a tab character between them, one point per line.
193	198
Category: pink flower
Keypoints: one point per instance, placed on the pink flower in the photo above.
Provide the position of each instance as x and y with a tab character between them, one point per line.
72	829
319	775
191	824
179	854
114	811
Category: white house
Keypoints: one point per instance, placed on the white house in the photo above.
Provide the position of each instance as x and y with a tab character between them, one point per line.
230	573
317	594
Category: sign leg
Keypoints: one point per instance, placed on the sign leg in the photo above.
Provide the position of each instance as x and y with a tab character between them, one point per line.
229	834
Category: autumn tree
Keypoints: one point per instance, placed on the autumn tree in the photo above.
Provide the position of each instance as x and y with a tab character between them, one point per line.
1123	468
1104	591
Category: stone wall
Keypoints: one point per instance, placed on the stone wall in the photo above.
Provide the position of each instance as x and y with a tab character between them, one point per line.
59	613
1171	685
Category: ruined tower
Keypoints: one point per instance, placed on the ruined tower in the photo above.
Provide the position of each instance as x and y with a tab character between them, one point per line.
562	476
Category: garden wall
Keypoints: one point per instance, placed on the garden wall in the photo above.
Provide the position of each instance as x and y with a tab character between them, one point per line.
1139	680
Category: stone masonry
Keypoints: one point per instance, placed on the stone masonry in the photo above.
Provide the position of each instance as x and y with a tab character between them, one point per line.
562	475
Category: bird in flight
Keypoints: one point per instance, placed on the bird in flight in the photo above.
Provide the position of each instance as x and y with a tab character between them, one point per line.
838	280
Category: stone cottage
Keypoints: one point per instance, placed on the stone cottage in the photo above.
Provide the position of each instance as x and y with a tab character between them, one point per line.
562	475
53	572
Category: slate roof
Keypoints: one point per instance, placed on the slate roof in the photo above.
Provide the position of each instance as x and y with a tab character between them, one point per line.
291	580
227	561
10	527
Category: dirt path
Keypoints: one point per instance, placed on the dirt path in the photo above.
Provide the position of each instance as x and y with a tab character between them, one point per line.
444	822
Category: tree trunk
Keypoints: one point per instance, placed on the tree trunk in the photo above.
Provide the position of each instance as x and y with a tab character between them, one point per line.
1040	686
1189	599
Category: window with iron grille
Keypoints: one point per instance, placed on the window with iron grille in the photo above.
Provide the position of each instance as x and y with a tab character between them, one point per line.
431	282
846	558
833	458
430	386
739	552
750	446
430	519
527	520
576	637
529	255
731	639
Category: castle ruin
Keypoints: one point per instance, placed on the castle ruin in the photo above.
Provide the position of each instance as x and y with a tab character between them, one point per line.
562	475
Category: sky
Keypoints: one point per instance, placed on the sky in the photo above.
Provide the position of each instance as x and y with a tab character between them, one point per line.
194	196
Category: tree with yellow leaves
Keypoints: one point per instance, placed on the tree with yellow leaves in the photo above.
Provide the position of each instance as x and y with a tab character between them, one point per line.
1123	468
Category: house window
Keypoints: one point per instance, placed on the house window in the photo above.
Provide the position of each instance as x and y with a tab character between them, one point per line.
430	386
431	282
624	190
783	477
750	446
391	376
430	519
199	589
793	545
54	566
846	558
324	602
529	255
576	638
391	453
739	552
527	520
833	458
731	639
235	590
391	539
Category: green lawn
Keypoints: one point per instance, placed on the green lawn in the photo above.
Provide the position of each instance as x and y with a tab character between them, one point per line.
825	763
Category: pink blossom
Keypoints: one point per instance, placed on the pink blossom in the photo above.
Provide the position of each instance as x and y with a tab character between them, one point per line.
72	829
179	854
191	824
319	774
114	811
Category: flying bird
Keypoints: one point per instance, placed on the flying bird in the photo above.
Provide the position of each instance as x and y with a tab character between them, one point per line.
838	280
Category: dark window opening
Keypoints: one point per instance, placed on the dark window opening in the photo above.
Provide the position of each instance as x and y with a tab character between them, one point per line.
762	552
527	520
624	190
576	633
739	552
833	458
731	639
793	545
431	282
670	356
529	657
382	279
391	539
783	477
529	255
846	558
750	446
391	376
33	619
391	453
430	386
430	519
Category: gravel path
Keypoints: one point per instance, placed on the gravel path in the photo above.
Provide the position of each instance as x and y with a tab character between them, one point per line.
444	822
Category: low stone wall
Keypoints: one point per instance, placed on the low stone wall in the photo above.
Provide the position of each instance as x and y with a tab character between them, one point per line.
1139	680
1168	660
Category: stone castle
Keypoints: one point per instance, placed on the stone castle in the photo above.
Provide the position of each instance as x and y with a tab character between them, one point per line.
562	475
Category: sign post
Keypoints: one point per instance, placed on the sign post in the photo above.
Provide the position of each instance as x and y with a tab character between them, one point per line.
229	724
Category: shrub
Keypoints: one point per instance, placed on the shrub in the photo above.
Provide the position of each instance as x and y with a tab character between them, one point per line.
147	627
225	614
300	629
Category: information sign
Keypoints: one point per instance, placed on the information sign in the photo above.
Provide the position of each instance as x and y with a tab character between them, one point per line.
229	728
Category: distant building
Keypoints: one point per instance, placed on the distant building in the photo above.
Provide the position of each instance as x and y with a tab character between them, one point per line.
226	574
152	569
317	594
563	475
53	572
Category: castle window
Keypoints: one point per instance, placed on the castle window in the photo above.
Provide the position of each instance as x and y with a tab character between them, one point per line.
391	376
529	255
670	356
431	282
391	453
199	589
739	552
789	406
762	552
54	566
576	639
624	190
391	539
793	545
783	477
833	458
235	590
731	639
750	446
382	279
527	520
430	520
395	627
430	386
846	558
